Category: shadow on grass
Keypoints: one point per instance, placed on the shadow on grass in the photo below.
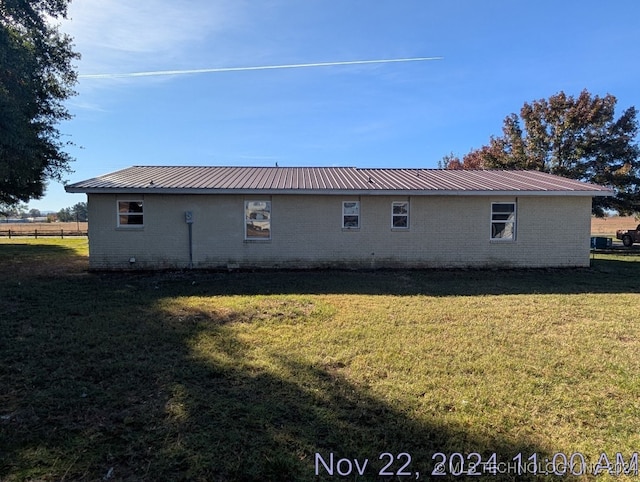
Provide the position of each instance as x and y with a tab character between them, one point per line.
21	259
604	276
17	250
617	273
101	383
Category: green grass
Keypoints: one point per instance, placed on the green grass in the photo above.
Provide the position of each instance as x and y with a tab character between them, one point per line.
246	376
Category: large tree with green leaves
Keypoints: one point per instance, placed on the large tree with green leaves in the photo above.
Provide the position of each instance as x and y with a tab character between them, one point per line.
78	212
36	76
576	137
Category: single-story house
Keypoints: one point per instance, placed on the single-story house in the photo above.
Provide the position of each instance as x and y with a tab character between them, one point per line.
154	217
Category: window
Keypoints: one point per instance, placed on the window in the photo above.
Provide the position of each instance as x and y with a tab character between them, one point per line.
257	217
351	214
130	213
400	214
503	221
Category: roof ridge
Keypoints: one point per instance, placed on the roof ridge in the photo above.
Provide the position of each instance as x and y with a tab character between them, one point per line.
225	166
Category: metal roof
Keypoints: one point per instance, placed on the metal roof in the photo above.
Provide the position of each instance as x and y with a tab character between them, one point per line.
331	180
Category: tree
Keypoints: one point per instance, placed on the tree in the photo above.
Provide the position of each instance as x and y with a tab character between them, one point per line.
450	161
16	211
78	212
65	215
36	77
472	160
579	138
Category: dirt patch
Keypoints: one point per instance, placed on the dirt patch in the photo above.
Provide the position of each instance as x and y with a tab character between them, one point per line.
611	224
45	229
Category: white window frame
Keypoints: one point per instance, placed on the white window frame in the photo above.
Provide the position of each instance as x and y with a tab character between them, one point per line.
345	214
511	220
394	215
259	224
119	214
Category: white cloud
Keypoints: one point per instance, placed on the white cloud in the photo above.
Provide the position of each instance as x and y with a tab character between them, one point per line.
121	35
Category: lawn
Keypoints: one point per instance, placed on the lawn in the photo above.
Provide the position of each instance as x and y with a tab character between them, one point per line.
285	375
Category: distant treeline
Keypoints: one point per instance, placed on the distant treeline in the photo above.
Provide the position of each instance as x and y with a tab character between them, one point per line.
77	212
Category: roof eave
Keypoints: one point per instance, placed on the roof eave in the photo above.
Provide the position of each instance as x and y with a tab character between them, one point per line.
335	192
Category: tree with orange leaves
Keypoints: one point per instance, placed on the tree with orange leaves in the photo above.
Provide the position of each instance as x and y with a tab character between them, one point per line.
575	137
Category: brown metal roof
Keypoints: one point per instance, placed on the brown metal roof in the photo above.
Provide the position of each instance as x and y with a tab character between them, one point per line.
331	180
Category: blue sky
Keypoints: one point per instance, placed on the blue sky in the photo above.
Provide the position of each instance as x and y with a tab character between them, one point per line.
496	55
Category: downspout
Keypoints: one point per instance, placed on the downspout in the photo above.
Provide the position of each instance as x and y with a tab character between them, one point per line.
190	245
188	217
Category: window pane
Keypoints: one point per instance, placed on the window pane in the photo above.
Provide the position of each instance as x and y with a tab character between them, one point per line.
503	212
400	208
350	208
258	219
258	230
132	219
400	221
503	217
502	230
130	206
503	221
351	221
503	207
130	213
399	214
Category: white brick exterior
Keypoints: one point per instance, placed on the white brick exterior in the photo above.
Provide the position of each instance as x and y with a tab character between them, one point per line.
444	231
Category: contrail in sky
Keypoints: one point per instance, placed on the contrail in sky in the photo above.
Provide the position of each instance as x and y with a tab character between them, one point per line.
240	69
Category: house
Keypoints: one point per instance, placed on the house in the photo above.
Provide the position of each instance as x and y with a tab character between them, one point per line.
155	217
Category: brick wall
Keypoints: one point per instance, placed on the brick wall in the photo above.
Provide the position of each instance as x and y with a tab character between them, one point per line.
306	231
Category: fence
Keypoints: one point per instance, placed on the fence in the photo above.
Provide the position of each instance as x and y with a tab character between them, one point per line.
42	233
